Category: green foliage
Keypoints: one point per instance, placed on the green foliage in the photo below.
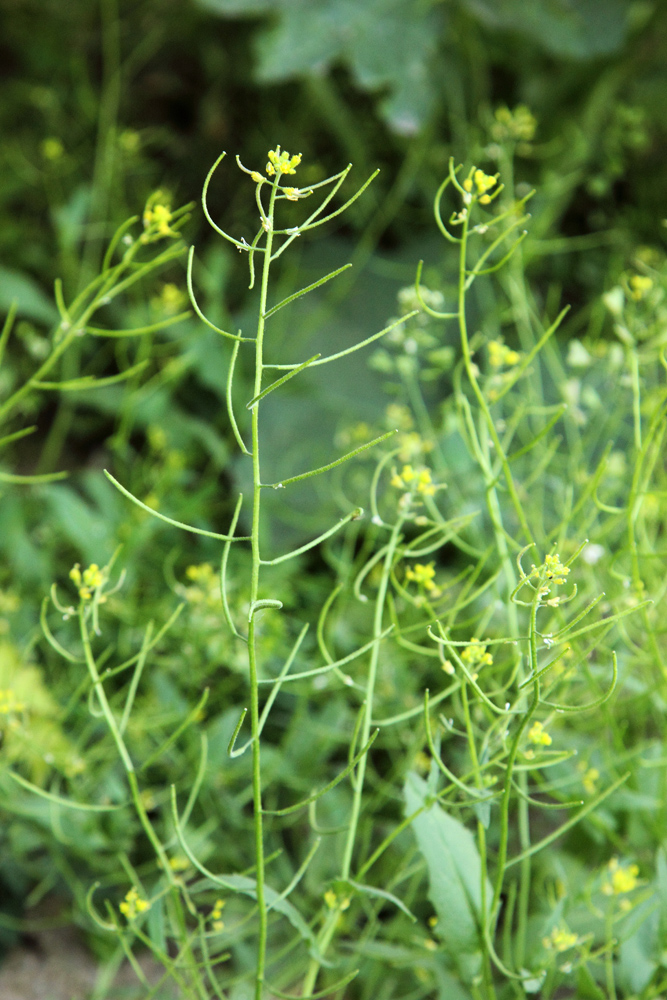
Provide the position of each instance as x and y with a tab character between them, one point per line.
454	875
219	712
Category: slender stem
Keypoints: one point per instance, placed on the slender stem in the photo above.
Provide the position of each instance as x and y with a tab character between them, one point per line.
370	691
254	591
330	923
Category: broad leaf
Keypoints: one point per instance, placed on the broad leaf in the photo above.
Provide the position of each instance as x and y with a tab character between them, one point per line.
575	29
455	877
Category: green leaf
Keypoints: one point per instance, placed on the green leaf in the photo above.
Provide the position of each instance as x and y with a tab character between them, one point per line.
32	302
574	29
639	954
455	877
387	44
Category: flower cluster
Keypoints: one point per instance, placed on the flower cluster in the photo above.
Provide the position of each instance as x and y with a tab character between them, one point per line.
133	905
620	879
589	776
555	571
334	902
640	286
417	480
475	655
205	589
157	216
423	576
282	163
559	940
478	184
89	581
501	356
216	923
517	125
8	702
538	735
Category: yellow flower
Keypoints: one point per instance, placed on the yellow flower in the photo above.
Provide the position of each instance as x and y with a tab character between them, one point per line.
475	655
589	778
216	923
414	479
170	299
517	124
425	484
292	194
640	286
9	704
157	216
179	863
282	163
133	905
620	879
423	576
87	582
559	940
500	355
538	735
482	182
554	568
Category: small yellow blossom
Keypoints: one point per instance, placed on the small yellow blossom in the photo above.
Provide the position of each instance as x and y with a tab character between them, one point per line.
157	216
588	779
414	479
257	177
425	484
282	163
554	568
87	582
538	735
406	476
640	286
501	356
9	704
483	184
519	124
216	923
475	655
448	667
423	576
133	905
559	940
170	299
179	863
292	194
620	879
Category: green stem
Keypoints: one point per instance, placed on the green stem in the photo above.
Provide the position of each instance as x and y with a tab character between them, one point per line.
254	592
329	927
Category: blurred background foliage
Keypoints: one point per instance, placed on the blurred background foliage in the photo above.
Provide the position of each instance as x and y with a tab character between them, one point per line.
102	103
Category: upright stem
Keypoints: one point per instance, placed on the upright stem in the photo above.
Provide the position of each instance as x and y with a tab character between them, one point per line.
254	591
494	508
358	781
328	929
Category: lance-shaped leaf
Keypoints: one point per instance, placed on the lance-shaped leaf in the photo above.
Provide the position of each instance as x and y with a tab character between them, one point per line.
454	874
